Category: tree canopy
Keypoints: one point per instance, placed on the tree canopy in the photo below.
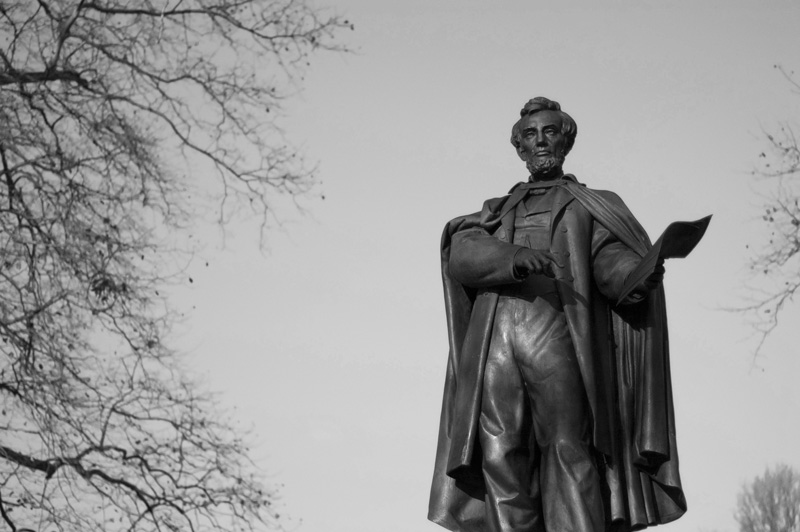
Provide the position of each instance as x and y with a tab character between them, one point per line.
771	503
115	115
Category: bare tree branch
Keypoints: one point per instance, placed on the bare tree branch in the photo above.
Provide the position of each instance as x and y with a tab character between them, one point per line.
113	112
775	266
8	78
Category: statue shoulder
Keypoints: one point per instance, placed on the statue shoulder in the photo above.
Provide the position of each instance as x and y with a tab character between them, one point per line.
609	198
607	195
488	218
491	207
459	223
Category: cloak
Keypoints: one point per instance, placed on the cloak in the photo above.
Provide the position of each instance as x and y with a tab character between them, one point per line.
624	358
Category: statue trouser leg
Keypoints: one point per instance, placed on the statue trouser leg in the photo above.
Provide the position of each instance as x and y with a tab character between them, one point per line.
533	387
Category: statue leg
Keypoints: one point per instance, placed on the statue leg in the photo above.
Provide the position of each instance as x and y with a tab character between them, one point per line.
568	478
504	433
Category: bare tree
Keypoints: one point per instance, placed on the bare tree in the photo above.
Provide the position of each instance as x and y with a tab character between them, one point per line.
771	503
775	266
112	112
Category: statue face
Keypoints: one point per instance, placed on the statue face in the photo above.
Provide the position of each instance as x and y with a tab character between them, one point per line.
541	144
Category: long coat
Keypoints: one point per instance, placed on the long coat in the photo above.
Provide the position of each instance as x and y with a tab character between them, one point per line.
622	352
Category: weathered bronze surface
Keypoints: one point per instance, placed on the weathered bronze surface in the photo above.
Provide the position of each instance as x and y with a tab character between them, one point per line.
557	412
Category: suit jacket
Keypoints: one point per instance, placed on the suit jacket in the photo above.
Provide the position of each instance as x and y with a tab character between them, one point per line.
622	352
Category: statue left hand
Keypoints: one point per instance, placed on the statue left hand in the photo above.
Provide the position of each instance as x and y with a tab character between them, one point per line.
655	279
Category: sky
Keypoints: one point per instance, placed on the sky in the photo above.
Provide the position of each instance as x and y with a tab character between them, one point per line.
331	344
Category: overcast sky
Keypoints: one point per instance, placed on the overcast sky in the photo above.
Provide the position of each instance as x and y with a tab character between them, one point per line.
333	343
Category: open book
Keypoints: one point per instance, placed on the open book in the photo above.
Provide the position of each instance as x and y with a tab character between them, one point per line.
677	241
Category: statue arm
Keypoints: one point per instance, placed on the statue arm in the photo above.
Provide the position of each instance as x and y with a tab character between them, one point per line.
612	262
478	259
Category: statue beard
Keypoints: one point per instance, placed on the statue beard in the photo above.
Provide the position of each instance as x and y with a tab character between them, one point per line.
542	168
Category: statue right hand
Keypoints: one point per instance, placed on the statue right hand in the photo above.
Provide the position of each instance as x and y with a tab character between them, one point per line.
528	261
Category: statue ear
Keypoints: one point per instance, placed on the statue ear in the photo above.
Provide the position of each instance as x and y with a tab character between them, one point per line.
521	153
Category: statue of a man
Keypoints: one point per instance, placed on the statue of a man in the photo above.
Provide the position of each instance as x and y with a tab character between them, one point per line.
557	412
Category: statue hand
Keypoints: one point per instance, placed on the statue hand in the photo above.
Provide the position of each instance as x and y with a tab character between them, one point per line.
528	261
652	282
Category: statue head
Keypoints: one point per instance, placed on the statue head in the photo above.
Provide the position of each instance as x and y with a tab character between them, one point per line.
543	136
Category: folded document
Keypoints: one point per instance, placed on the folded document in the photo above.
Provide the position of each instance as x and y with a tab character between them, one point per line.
676	242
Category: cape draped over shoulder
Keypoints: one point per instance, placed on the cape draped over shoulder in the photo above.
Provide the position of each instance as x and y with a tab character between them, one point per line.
639	467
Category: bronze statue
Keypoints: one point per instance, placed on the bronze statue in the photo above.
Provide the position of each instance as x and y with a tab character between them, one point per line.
557	412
